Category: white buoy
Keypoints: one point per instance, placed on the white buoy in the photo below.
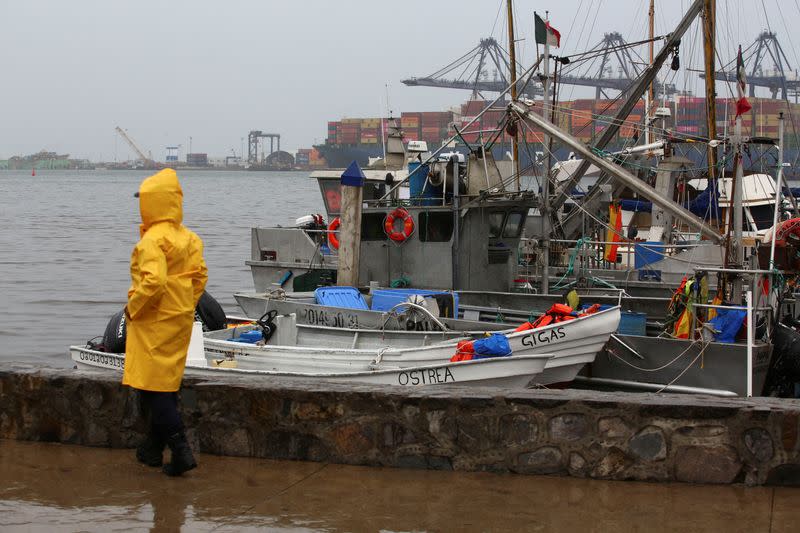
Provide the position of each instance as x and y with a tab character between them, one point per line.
196	355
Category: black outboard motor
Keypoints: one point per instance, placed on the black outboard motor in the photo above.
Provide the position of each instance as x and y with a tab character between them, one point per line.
208	311
114	337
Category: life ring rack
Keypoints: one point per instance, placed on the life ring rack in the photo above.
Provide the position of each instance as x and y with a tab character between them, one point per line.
399	236
332	228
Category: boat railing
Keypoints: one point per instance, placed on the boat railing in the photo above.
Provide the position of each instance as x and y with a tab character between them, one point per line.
590	254
752	314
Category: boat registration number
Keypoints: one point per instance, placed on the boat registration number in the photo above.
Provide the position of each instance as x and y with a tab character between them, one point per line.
328	318
107	361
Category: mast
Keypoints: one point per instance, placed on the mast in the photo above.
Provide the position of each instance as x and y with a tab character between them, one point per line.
634	95
544	209
649	97
619	173
513	60
709	48
736	247
778	190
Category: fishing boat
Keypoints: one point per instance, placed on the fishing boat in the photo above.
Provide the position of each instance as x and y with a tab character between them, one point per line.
571	344
507	372
281	345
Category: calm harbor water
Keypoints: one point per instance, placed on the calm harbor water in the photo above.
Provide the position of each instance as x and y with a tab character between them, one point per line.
66	239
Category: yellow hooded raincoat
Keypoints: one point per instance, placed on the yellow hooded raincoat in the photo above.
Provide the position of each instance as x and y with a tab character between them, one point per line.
168	276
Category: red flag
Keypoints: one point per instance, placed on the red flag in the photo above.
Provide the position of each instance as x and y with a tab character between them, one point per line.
742	105
545	33
613	232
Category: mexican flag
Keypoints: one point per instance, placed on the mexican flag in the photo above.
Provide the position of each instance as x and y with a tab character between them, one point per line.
742	105
545	33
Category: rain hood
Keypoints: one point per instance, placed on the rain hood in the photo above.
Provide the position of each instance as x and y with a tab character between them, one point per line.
160	199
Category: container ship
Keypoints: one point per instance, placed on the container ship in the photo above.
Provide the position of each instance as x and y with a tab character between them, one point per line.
44	160
359	139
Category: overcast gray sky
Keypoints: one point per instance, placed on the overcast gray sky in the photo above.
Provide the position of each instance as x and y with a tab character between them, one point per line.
167	70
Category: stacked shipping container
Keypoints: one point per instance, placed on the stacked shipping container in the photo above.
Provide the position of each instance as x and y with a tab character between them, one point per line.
309	158
583	118
761	121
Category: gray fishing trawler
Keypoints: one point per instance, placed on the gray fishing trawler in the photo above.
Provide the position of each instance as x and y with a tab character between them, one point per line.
463	223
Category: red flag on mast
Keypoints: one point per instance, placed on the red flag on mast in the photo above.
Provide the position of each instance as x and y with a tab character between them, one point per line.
545	33
742	105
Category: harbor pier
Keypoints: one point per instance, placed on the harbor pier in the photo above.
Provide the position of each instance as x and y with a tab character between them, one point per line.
586	434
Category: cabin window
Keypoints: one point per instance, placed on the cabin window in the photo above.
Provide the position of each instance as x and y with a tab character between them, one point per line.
374	190
332	195
435	226
496	224
513	227
372	227
762	216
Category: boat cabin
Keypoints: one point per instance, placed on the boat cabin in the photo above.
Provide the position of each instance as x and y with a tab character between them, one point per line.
472	248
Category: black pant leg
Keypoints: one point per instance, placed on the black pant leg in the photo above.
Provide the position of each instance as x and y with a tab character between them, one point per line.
164	415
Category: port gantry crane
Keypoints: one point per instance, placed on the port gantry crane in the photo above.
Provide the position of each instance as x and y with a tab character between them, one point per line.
252	144
766	45
147	161
470	71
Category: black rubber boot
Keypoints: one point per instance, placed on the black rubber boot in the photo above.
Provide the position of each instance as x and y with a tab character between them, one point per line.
151	451
182	458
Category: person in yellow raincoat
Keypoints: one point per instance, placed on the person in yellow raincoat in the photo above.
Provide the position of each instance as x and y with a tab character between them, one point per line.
168	276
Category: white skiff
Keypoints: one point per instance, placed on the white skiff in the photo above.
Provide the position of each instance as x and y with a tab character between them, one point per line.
510	372
572	344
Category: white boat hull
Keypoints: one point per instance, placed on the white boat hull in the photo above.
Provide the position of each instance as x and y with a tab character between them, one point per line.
509	372
572	345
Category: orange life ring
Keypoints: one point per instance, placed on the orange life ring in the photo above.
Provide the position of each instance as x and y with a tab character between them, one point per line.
783	229
408	225
332	227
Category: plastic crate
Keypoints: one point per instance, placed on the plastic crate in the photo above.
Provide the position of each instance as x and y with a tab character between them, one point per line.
632	323
345	297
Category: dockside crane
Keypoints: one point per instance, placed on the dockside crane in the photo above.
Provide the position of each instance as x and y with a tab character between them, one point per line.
147	161
471	71
781	78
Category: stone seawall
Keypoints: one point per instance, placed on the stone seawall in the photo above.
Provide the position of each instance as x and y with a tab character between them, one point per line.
572	432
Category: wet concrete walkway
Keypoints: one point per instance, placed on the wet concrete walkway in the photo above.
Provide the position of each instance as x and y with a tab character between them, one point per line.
53	487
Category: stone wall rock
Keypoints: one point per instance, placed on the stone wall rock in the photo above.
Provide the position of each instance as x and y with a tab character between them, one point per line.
656	437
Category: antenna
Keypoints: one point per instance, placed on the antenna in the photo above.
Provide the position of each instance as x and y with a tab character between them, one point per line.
383	129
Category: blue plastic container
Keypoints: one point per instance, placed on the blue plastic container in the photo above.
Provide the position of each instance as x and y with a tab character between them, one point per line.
419	190
250	337
385	299
632	323
346	297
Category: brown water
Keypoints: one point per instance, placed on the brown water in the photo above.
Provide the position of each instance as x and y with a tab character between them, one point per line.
52	487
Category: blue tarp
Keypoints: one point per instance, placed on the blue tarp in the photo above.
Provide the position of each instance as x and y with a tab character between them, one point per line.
728	322
647	253
636	206
494	346
705	205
